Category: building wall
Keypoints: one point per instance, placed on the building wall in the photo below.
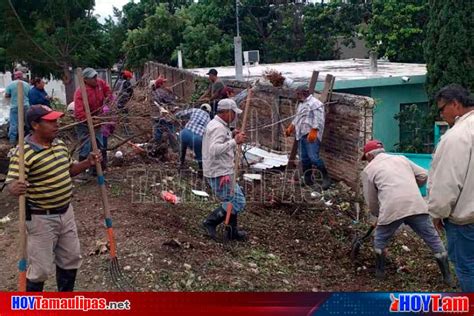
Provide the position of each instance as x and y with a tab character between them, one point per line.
388	99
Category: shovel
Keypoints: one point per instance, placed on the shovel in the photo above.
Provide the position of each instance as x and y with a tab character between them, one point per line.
236	169
358	241
115	270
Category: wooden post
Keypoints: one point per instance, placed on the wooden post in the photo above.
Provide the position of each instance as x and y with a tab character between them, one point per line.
22	263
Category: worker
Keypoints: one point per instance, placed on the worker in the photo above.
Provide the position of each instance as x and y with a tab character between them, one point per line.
161	93
97	93
218	147
391	190
214	92
53	242
308	124
191	135
37	94
125	90
11	92
451	181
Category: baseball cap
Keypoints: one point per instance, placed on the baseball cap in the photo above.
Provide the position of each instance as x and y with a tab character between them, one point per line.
212	72
159	82
371	145
127	74
89	73
43	112
228	104
206	107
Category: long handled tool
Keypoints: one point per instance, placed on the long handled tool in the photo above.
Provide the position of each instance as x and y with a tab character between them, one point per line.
358	241
236	167
115	270
22	263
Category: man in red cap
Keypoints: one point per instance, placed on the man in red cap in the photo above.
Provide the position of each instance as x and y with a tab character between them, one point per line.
53	242
391	192
125	90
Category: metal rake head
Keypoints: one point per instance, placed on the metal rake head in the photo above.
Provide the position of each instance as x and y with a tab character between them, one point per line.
119	279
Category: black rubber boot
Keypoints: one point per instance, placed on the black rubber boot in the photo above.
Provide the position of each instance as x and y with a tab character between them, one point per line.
326	179
211	222
34	286
65	279
104	161
380	266
200	171
308	175
443	264
233	232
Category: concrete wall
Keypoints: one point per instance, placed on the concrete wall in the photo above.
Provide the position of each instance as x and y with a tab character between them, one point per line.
181	81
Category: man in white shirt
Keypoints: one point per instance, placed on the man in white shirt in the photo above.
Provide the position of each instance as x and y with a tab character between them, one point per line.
451	181
218	167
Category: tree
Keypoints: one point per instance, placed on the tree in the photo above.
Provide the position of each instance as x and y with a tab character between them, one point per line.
54	35
396	29
449	47
156	40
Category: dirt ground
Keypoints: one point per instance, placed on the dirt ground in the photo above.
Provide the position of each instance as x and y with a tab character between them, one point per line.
292	246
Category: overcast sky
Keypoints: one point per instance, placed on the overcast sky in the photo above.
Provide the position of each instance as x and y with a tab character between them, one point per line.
104	8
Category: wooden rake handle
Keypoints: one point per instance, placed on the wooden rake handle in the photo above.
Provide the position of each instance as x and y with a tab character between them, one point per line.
98	166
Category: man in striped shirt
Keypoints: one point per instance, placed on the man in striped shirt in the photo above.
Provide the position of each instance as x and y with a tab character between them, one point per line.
52	232
191	135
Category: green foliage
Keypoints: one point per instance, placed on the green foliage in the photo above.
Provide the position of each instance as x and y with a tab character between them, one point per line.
52	35
396	29
156	40
449	47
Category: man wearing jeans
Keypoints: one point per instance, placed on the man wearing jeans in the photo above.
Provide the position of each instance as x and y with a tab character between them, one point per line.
391	192
11	92
218	165
309	126
191	135
451	181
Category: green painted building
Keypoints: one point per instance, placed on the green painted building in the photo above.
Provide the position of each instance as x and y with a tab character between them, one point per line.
393	86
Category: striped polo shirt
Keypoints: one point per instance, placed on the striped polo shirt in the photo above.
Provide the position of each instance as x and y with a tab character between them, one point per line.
47	172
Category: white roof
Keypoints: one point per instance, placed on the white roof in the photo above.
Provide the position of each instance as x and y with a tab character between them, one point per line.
343	70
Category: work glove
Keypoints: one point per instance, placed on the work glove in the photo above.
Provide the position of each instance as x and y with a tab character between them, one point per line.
223	181
289	130
313	135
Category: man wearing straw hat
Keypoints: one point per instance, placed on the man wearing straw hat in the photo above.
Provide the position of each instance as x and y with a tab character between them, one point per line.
97	93
52	234
218	167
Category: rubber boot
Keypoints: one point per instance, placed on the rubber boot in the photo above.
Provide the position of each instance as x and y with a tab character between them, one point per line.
200	172
308	175
34	286
211	222
65	279
380	266
233	232
326	179
443	263
83	175
104	161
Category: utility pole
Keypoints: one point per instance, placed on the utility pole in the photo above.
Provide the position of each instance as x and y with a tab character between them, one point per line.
238	46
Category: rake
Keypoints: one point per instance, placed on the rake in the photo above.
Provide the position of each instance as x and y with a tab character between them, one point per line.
118	277
227	227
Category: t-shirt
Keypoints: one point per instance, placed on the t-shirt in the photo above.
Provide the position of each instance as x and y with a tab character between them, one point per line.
38	96
12	90
216	86
47	172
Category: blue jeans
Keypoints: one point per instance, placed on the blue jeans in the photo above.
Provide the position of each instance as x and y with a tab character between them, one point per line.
224	194
461	253
192	140
13	126
309	153
82	132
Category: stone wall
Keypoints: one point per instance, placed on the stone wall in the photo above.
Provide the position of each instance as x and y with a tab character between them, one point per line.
348	120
